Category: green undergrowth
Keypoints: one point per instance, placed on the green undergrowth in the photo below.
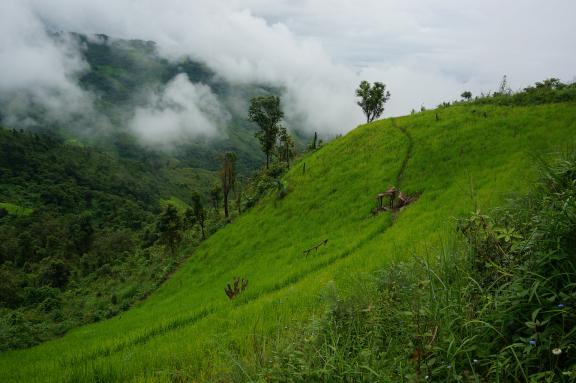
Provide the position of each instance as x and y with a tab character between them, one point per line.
10	208
176	202
78	235
495	306
188	330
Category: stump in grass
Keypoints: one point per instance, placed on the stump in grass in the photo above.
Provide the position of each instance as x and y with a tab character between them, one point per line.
323	243
237	287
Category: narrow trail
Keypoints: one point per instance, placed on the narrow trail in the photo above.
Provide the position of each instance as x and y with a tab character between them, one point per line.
408	155
404	165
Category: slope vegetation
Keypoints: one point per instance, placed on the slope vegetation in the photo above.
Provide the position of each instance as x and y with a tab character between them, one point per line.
468	157
74	223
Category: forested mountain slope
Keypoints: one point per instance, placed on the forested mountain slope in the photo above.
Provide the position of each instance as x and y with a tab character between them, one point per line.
78	232
81	198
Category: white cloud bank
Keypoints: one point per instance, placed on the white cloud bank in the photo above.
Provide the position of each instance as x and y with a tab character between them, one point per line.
181	110
35	69
426	51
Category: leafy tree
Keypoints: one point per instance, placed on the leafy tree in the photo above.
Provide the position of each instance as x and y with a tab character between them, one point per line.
267	113
82	233
466	95
55	273
285	146
372	99
169	227
199	212
215	196
228	176
239	197
189	219
551	83
11	291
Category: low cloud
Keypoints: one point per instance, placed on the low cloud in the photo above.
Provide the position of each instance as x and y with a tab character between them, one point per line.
315	51
37	72
240	47
181	110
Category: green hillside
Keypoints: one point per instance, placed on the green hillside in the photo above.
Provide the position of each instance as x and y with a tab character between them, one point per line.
80	203
456	159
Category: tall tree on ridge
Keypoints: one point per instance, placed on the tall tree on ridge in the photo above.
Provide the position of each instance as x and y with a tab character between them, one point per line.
285	146
199	212
168	227
267	113
372	99
215	196
228	176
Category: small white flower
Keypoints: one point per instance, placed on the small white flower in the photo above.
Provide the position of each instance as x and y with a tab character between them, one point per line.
557	351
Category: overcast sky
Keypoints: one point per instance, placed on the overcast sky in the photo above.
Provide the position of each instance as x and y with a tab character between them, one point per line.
426	51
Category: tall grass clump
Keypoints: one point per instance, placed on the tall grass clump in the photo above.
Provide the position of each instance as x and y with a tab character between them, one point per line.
494	305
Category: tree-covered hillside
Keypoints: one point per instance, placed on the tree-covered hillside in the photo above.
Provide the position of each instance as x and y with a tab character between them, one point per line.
85	204
78	240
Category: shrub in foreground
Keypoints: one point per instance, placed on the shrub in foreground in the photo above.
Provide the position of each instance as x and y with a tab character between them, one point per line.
497	305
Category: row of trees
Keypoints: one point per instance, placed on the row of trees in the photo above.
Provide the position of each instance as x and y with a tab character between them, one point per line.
267	113
274	139
549	90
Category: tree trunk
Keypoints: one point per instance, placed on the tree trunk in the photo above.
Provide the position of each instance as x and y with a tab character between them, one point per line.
225	205
203	234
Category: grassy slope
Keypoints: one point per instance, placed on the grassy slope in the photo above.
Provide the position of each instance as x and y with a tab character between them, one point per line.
188	328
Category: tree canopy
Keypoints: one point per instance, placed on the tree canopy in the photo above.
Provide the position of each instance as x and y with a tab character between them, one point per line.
372	99
266	112
228	176
199	213
286	146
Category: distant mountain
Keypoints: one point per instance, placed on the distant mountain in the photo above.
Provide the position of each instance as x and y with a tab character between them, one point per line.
122	75
123	72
